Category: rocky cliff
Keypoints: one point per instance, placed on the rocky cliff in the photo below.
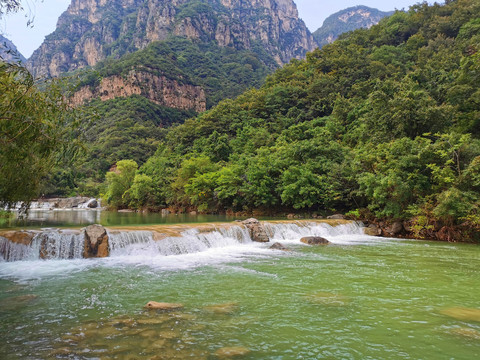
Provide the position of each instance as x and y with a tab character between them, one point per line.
158	89
347	20
92	30
9	52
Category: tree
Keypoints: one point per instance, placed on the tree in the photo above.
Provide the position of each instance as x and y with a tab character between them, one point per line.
119	181
35	128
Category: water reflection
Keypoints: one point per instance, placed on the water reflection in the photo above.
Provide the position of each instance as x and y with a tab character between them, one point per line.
84	217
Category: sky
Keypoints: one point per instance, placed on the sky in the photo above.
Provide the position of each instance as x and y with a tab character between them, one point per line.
46	12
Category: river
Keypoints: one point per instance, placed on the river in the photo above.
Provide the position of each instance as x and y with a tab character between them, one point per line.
360	297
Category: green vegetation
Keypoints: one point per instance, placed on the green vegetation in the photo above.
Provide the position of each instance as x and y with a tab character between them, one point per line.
385	120
37	131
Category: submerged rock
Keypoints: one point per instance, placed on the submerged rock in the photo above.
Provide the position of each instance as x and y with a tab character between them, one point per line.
256	229
153	305
466	332
230	352
278	246
96	242
314	240
227	308
328	299
461	313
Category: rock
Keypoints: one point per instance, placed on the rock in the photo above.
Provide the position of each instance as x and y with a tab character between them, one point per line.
290	216
165	212
96	242
461	313
314	240
278	246
92	204
19	237
466	332
336	217
230	352
372	230
225	309
256	229
394	229
327	298
448	234
70	203
153	305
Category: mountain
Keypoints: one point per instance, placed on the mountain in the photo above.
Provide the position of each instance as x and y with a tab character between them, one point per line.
347	20
9	52
384	124
92	30
144	65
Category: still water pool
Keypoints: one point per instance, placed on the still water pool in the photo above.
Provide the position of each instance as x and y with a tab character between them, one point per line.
358	298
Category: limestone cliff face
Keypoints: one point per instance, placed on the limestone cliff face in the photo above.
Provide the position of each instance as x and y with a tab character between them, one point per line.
91	30
158	89
347	20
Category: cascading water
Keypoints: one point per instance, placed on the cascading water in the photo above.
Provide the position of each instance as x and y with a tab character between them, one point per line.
58	245
190	241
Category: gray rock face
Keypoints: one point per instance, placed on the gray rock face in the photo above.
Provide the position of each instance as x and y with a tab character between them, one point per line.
347	20
96	242
314	240
336	217
256	229
86	34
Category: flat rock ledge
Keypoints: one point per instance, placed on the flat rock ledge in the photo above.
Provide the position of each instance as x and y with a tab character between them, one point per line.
314	240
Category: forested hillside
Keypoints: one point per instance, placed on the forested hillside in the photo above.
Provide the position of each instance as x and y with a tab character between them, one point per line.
385	121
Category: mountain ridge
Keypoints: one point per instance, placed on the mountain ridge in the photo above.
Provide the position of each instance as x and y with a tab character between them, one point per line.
9	52
348	19
90	31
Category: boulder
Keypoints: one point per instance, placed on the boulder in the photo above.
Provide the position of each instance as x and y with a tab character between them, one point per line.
96	242
231	352
314	240
153	305
19	237
92	204
278	246
336	217
290	216
372	230
448	234
165	212
256	229
394	229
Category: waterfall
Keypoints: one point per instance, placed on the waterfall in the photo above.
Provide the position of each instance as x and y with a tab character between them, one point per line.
295	231
56	245
190	241
10	251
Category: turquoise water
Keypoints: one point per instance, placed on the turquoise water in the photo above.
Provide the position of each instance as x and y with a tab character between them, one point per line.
360	298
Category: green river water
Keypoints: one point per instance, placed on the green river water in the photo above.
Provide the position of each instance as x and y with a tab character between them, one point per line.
381	299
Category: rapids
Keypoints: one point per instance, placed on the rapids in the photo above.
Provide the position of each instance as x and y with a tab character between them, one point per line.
361	297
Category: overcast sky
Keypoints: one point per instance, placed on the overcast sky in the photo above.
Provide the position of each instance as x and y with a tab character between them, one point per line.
46	13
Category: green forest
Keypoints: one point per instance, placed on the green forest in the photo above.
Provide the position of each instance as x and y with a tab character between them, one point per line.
382	123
